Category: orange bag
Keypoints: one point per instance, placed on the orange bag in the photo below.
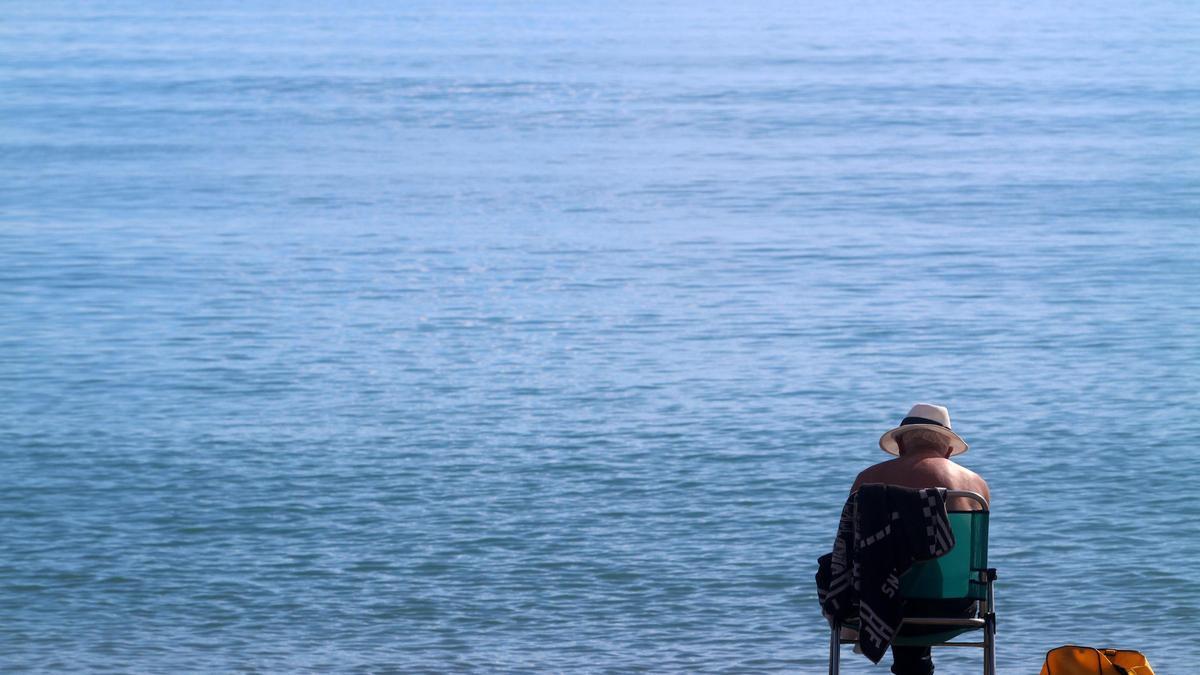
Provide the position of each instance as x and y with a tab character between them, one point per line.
1072	660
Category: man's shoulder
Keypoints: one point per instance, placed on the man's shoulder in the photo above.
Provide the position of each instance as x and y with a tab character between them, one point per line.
876	472
969	473
876	468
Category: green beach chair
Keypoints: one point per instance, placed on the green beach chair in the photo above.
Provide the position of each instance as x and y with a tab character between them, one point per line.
962	573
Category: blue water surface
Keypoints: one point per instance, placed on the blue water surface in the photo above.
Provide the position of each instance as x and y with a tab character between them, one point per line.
548	337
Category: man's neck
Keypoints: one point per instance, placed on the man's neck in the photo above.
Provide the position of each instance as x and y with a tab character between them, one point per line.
918	455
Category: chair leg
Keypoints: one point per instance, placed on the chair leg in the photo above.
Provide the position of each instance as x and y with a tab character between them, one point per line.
835	648
989	625
989	646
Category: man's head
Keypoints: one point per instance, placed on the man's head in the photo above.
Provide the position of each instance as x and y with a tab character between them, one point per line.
934	419
922	441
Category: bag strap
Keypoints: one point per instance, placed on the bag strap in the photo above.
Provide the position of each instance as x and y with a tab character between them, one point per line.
1106	652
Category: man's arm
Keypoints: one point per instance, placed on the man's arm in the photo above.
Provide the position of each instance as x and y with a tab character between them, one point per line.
983	490
859	481
975	483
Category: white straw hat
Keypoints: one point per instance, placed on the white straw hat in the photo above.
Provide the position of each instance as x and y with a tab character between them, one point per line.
924	416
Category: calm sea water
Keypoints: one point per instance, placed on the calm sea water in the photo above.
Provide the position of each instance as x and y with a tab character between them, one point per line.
548	337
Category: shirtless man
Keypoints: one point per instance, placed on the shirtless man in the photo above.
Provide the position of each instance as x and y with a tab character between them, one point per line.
924	444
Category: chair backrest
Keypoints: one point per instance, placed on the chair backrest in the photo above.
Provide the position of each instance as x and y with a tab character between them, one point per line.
960	573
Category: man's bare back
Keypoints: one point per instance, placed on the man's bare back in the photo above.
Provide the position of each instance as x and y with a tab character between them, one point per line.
920	470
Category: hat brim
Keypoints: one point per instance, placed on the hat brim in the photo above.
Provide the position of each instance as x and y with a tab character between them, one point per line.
887	442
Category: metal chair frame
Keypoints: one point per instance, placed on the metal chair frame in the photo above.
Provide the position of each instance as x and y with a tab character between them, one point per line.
986	620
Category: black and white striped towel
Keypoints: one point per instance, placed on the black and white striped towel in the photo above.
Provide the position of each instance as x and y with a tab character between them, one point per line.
884	529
